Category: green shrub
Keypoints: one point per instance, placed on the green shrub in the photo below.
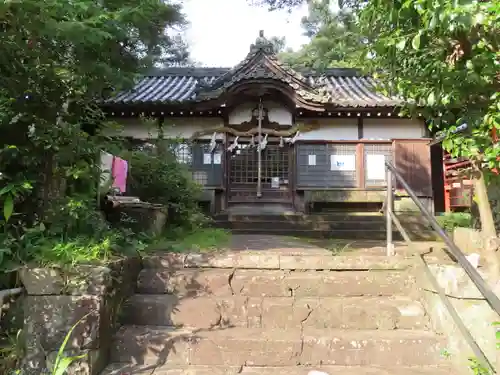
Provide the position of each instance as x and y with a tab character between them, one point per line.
452	220
157	177
76	233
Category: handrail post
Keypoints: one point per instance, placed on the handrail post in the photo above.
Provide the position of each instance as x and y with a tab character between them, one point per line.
475	276
388	209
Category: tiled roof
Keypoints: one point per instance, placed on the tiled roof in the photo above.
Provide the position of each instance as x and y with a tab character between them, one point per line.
180	85
334	87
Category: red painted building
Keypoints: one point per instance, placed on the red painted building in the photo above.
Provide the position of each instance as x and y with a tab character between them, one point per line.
458	190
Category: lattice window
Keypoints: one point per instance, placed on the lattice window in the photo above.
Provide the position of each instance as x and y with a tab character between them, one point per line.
183	153
244	165
375	157
200	177
344	176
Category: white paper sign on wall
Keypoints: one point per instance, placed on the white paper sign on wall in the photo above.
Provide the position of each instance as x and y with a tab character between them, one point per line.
311	159
342	162
207	158
375	167
275	182
217	158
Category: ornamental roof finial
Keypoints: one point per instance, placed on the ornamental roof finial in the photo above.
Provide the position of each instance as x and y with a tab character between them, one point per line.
261	43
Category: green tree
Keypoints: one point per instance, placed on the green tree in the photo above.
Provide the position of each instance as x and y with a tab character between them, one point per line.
278	43
442	56
334	39
58	59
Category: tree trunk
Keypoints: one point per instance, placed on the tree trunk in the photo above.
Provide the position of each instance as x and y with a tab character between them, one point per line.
488	231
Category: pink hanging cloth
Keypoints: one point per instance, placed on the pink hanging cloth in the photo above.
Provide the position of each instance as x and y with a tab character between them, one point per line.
120	170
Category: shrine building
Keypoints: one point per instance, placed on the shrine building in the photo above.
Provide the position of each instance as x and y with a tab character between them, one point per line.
263	134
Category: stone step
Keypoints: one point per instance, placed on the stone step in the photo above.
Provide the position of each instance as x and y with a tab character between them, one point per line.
312	233
321	226
275	283
311	218
122	369
271	347
285	259
275	313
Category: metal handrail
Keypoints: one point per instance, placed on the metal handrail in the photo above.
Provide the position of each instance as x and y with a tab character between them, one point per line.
488	294
475	276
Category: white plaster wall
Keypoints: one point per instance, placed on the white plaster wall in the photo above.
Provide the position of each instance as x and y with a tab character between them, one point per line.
186	127
172	128
331	130
277	113
386	129
133	128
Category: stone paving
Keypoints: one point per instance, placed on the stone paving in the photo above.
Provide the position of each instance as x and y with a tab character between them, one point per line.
284	245
281	244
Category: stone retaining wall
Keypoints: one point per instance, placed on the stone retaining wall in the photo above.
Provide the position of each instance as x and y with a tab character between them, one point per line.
472	308
57	299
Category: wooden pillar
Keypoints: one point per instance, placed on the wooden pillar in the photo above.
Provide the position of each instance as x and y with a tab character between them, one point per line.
225	169
292	173
360	165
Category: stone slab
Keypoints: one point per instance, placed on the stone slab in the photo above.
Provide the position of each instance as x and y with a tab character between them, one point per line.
456	283
320	284
139	345
185	282
170	261
283	252
376	348
127	369
234	260
82	280
198	370
347	370
342	262
276	312
285	370
49	318
256	347
172	310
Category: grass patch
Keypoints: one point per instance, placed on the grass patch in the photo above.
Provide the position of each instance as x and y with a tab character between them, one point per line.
202	240
339	246
336	246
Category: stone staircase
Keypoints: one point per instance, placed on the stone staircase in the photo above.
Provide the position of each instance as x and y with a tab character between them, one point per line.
276	312
347	225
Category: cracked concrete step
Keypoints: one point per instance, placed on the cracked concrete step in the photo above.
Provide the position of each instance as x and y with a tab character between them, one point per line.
268	347
121	369
274	283
275	312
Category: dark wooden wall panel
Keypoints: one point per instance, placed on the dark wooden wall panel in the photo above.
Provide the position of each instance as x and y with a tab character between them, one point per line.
208	175
321	175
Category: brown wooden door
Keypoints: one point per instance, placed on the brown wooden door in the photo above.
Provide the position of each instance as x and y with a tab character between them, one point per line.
412	159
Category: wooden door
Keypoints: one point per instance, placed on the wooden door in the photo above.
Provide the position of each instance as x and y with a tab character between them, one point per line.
412	159
275	173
